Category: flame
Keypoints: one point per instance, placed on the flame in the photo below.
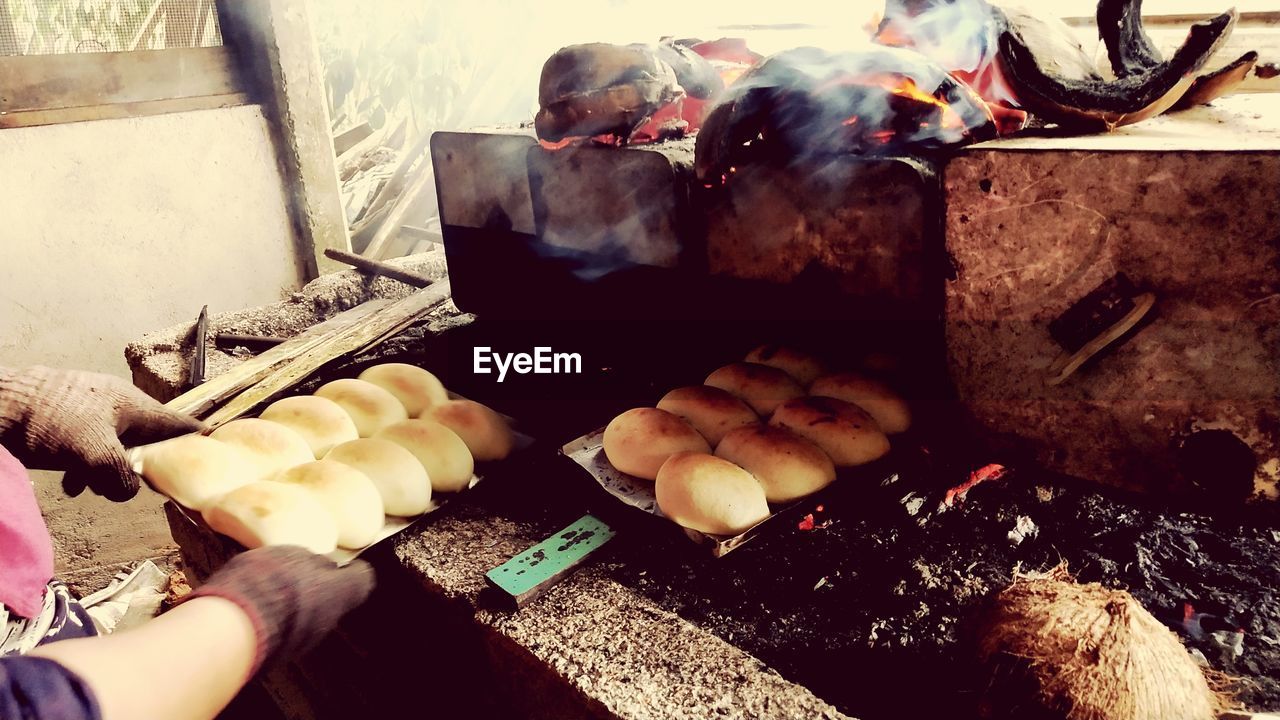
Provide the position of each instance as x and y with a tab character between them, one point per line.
960	37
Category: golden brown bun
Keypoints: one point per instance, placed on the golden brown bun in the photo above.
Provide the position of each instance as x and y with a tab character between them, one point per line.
762	387
273	513
486	433
415	388
193	469
400	478
347	494
710	410
844	431
883	404
800	365
320	421
270	447
445	456
638	441
786	465
705	493
371	407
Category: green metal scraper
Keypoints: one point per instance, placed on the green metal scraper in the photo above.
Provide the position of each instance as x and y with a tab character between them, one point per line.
529	574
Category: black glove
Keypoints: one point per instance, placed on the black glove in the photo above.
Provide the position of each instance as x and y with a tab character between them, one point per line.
73	420
293	596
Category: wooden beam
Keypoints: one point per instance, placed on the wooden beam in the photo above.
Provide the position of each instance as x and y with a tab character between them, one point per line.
351	137
377	328
34	118
201	400
49	82
272	40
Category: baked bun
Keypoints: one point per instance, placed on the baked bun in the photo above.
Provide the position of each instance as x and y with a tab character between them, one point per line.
883	404
762	387
486	433
320	421
270	447
396	473
273	513
370	406
347	494
193	469
638	441
706	493
802	366
844	431
444	455
710	410
414	387
786	465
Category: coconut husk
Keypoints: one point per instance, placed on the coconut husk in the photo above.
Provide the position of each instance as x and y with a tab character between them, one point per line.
1055	648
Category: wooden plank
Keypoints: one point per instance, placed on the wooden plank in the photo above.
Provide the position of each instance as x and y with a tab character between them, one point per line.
387	322
348	139
201	400
273	42
47	82
390	229
35	118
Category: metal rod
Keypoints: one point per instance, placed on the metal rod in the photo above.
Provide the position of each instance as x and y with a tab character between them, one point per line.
376	267
199	337
233	339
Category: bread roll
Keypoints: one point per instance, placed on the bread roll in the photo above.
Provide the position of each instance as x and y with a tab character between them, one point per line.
485	432
638	441
347	494
711	411
272	513
802	366
320	421
709	494
193	469
762	387
414	387
844	431
444	455
786	465
400	478
371	407
883	404
270	447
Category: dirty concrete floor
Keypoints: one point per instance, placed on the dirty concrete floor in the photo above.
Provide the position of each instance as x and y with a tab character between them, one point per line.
93	538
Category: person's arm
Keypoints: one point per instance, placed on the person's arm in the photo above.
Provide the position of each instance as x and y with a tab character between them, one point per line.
185	665
190	662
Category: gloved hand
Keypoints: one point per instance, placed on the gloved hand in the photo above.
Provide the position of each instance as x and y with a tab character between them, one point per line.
293	596
73	420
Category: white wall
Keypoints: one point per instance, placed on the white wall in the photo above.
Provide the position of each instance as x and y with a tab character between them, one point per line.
112	229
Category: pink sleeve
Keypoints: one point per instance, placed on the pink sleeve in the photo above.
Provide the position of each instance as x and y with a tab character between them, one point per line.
26	552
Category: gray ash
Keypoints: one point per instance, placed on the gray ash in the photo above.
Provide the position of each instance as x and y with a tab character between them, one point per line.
874	611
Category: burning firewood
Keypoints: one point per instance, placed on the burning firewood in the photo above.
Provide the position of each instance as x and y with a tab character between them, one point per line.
632	93
602	89
807	102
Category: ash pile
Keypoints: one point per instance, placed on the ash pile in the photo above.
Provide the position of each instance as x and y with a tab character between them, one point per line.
873	599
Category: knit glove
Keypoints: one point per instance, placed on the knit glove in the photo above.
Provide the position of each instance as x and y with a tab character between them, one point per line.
293	596
74	420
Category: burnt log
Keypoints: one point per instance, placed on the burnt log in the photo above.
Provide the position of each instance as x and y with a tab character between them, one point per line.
602	89
1056	80
1223	81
